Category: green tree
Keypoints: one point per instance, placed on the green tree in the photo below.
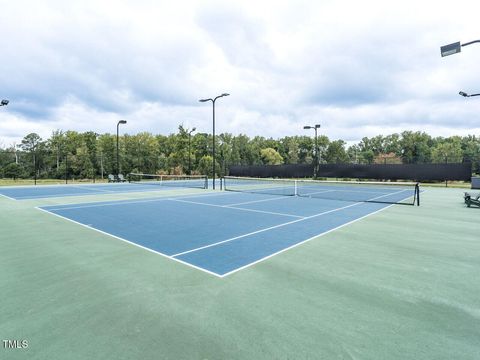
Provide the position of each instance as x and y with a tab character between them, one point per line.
106	153
32	145
205	165
392	144
12	170
226	147
471	151
336	152
353	153
271	157
447	151
56	145
7	156
90	141
416	147
305	149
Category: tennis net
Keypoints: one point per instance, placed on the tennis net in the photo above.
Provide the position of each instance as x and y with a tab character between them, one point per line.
189	181
355	191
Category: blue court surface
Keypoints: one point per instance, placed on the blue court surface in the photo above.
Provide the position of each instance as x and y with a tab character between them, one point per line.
51	191
219	233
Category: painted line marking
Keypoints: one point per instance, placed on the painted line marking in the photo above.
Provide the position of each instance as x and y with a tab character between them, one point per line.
131	189
131	243
94	190
303	242
265	229
127	202
49	196
256	201
172	257
8	197
274	227
309	239
237	208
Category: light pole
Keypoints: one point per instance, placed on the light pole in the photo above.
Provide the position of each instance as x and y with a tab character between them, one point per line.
66	167
118	166
316	127
189	154
454	48
213	147
4	103
464	94
446	162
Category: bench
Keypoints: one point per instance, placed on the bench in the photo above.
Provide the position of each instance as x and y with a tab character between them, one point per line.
472	199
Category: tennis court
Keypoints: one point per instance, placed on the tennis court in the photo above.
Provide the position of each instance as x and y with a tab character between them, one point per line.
360	279
52	191
221	233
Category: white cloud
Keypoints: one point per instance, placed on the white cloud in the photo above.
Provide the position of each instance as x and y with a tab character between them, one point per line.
358	68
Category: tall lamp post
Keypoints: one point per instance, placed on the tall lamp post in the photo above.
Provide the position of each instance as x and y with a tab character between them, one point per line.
189	154
455	48
213	147
118	164
316	127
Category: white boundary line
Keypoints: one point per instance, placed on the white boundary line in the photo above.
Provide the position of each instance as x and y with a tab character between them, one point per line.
302	242
128	201
173	257
236	208
284	224
137	190
130	189
256	201
96	189
8	197
130	242
311	238
265	229
62	184
73	184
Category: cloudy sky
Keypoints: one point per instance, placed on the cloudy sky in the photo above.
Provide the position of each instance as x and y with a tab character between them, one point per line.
359	68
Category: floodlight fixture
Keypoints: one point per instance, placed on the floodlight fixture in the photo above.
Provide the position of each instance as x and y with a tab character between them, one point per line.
450	49
4	102
317	126
464	94
455	47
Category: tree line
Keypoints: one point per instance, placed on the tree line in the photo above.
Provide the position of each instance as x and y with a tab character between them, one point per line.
90	155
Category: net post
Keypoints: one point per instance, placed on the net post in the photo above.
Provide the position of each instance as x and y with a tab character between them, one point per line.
417	192
295	188
206	182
